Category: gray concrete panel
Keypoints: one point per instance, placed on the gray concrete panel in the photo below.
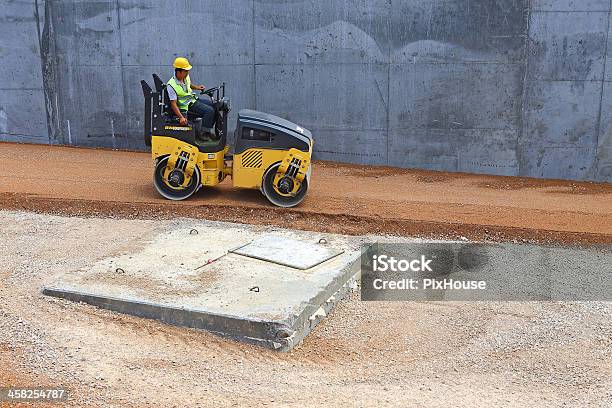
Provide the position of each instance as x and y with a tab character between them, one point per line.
22	116
570	5
22	107
488	152
338	97
567	162
567	46
88	31
478	151
455	30
608	70
562	113
19	48
92	108
320	31
604	164
423	148
455	96
351	146
219	32
604	142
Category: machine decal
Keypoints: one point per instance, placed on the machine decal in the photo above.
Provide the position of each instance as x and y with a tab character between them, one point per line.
252	158
183	128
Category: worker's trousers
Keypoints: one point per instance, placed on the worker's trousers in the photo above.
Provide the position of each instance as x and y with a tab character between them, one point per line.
203	108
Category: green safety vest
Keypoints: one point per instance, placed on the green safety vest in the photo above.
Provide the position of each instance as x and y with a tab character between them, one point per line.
184	98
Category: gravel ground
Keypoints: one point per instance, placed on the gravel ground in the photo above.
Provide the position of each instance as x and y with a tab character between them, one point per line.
365	354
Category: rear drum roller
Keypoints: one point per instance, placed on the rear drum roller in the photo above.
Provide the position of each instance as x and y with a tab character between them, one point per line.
170	187
274	193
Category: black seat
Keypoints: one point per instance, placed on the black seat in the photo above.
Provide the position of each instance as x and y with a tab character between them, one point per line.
160	87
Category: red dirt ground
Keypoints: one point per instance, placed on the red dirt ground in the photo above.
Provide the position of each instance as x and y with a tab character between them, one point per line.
343	198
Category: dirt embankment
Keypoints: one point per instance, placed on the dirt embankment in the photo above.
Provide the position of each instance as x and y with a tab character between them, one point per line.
343	198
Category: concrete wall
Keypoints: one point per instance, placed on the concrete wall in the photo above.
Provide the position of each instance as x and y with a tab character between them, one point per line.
511	87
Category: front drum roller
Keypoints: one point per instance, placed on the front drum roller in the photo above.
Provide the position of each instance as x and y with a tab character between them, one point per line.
170	186
275	193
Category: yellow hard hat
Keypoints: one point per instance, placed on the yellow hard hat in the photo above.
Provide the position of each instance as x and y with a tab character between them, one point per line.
182	63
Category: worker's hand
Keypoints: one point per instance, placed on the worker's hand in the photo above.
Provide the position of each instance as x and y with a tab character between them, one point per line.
199	87
183	121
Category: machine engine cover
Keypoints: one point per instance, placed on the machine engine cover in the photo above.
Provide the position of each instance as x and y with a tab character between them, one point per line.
262	130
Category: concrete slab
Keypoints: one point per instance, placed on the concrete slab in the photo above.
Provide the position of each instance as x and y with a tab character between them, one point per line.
187	275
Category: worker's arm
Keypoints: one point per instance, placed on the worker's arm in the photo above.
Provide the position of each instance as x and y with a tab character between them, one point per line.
178	113
197	87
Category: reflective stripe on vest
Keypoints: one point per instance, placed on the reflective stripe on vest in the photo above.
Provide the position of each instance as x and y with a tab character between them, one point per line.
183	98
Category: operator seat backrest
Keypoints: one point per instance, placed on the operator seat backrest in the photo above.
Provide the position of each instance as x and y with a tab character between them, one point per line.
149	97
159	84
167	109
162	89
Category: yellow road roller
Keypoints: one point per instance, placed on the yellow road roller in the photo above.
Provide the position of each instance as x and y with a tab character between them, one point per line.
269	153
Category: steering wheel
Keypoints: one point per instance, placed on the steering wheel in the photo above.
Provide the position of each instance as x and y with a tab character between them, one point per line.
209	91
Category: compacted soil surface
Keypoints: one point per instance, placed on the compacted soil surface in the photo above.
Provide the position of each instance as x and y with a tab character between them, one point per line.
343	198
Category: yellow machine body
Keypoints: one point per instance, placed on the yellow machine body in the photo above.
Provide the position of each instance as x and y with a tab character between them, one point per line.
247	168
213	169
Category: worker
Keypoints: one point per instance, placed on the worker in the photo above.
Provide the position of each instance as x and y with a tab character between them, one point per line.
183	100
